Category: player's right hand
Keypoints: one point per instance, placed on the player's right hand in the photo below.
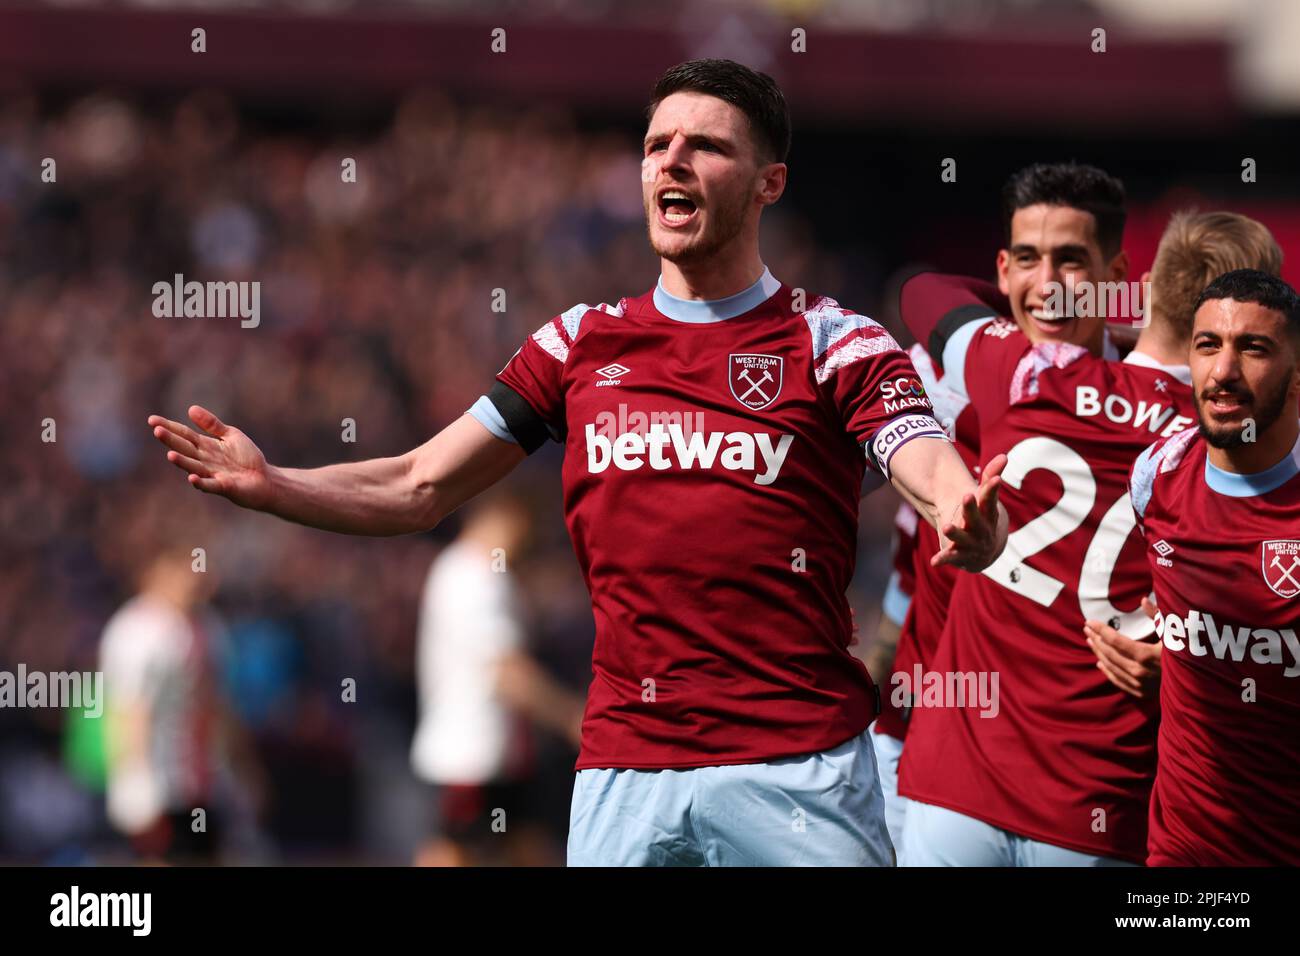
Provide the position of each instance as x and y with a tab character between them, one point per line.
1132	666
219	459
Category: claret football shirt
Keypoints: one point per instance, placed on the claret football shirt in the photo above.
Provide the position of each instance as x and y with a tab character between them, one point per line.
714	455
1224	551
1052	751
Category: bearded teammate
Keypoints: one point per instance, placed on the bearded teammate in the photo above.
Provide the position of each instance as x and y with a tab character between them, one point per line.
1219	509
716	433
1195	249
1058	771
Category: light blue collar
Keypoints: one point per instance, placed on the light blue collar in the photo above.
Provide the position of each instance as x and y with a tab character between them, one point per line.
1235	485
715	310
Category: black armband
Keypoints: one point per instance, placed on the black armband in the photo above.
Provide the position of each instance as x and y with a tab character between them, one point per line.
523	422
950	323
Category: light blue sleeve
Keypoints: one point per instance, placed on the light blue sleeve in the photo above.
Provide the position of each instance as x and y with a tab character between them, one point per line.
1143	480
953	359
486	414
896	601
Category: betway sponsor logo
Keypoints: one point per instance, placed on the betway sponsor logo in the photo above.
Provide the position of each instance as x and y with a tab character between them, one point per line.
1200	634
667	446
1149	415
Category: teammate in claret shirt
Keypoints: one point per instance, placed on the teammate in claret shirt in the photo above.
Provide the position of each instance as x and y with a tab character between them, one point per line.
1057	769
1013	779
1196	248
716	432
934	304
1220	513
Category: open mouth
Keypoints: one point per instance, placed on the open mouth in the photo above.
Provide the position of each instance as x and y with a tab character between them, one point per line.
1227	403
676	207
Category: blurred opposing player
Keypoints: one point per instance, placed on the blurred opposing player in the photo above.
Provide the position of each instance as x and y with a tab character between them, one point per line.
1219	509
166	731
478	685
1052	765
717	429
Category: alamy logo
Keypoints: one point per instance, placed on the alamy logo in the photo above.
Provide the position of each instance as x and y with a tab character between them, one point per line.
611	425
61	689
209	300
922	688
75	908
611	374
755	379
1111	300
1281	567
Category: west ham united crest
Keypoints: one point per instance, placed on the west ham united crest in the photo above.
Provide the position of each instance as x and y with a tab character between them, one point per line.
1281	561
755	379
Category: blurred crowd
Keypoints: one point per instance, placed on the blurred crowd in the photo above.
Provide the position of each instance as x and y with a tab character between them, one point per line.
390	301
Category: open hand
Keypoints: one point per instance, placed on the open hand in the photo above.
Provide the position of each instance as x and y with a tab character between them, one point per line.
975	536
218	458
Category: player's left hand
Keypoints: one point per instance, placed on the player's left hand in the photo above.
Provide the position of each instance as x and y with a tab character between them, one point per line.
975	536
1131	665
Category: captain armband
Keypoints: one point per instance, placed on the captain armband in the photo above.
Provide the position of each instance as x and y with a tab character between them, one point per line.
896	433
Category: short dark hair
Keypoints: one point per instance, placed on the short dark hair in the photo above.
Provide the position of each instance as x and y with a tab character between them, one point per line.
1074	185
754	94
1251	285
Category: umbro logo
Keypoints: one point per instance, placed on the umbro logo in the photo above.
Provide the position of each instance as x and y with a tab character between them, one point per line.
1163	550
1162	385
611	374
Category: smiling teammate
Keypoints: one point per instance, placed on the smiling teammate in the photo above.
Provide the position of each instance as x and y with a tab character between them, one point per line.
1062	221
716	432
1061	774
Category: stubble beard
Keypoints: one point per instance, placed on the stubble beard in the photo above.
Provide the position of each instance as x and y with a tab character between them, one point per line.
726	223
1231	436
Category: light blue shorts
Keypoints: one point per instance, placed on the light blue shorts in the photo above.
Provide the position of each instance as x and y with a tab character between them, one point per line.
888	751
820	809
937	836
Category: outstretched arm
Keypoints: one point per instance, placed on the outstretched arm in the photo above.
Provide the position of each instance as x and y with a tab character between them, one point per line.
382	496
971	522
933	306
